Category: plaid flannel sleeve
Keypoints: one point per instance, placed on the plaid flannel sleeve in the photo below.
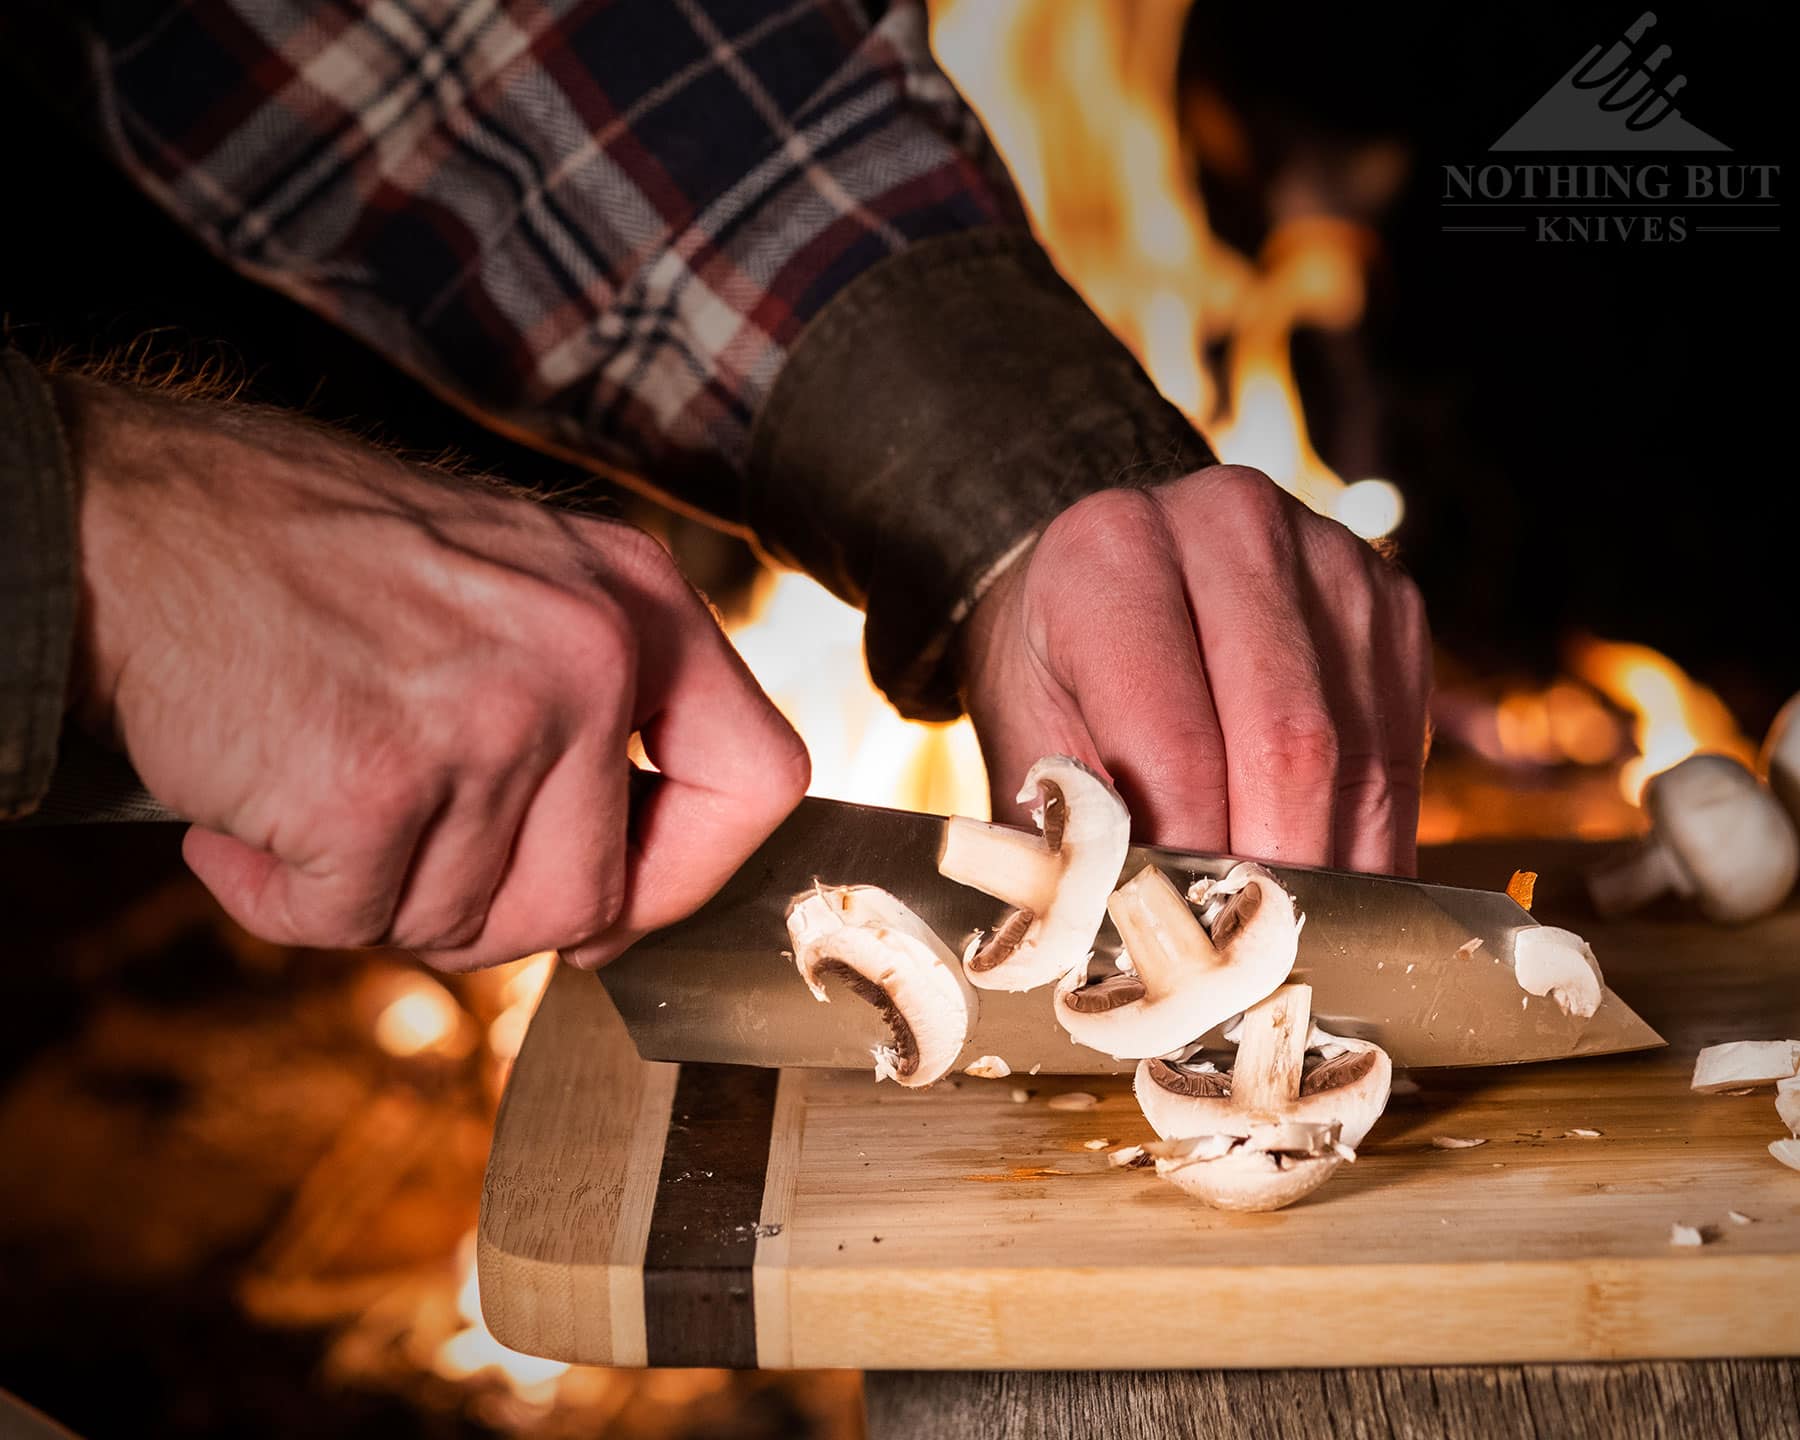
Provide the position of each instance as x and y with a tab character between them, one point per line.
716	246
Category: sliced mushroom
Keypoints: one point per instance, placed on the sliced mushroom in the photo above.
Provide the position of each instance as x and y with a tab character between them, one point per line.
1056	881
1560	964
1787	1103
1182	980
1718	837
1745	1064
1273	1129
1787	1152
884	954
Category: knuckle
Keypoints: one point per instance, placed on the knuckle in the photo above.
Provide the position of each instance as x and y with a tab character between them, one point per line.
1110	531
1245	490
1297	751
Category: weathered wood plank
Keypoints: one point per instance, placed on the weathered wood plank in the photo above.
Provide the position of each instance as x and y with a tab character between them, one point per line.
1701	1400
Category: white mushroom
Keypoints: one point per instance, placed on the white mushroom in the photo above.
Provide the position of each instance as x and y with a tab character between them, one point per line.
1560	964
1745	1064
865	938
1273	1129
1182	980
1787	1152
1718	837
1781	758
1056	881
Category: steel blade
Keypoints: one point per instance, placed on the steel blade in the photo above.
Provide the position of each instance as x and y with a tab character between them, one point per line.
1385	957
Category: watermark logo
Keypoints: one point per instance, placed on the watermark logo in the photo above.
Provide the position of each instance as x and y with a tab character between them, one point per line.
1618	103
1614	99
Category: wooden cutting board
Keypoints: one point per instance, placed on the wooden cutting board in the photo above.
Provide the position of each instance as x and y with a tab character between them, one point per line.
658	1214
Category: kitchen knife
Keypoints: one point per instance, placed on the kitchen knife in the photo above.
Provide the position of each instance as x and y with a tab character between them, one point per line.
1387	959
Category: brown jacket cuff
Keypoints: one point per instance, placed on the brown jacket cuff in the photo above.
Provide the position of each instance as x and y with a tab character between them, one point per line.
940	411
37	583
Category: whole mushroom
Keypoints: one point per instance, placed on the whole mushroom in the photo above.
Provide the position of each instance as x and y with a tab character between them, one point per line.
1718	837
1056	881
1780	764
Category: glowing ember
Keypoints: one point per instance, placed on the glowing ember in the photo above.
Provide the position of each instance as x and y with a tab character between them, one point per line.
418	1016
1109	186
1674	716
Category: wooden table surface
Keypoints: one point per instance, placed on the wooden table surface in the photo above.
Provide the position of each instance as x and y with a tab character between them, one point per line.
706	1215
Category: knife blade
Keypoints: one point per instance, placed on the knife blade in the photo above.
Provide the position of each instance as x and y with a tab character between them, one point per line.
1385	957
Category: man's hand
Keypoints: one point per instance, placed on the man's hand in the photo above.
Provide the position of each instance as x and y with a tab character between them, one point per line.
1252	676
397	704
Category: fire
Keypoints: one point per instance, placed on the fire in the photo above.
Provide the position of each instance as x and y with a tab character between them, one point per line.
413	1015
1109	185
472	1350
804	646
1674	716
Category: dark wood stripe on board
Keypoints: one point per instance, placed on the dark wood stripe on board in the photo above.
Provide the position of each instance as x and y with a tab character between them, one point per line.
698	1304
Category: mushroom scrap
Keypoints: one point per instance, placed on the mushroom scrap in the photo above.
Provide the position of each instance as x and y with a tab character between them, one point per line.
865	938
1274	1128
1056	881
1182	980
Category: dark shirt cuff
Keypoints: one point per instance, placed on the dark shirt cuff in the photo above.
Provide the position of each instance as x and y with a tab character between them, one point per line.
931	420
37	583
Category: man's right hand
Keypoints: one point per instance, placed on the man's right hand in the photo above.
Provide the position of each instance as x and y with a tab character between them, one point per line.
395	704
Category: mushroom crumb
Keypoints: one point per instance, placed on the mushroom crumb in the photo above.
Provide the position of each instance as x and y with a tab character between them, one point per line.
1738	1217
1689	1235
988	1067
1095	1144
1466	950
1019	1094
1074	1100
1451	1142
1131	1157
1581	1132
1787	1152
1720	1069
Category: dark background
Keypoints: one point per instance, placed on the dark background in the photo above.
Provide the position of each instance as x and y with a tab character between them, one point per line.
1588	436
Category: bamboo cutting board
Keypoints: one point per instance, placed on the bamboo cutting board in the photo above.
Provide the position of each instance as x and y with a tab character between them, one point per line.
713	1215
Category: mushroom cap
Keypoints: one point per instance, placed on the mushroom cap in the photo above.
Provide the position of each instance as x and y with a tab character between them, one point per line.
1350	1090
1780	763
1246	1179
1560	964
1207	978
1092	831
886	955
1728	833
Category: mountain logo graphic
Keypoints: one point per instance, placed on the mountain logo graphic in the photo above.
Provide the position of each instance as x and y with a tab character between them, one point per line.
1612	100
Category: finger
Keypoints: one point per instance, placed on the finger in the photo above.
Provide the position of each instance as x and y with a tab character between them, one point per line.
565	878
1352	638
1123	644
465	848
1281	746
732	767
341	895
1407	677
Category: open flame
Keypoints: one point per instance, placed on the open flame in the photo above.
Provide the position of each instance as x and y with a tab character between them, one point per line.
1079	99
1674	716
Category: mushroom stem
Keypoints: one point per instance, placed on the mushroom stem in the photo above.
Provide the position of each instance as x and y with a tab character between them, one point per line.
1011	865
1158	928
1272	1050
1649	871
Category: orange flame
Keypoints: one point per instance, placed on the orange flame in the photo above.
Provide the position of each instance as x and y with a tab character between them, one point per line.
1674	715
1109	186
